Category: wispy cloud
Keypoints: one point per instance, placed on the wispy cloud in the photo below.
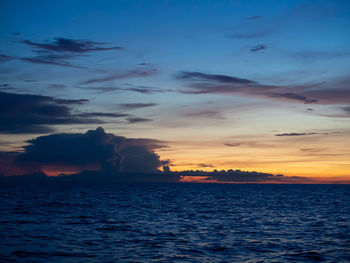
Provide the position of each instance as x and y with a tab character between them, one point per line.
232	144
71	45
102	114
56	60
135	73
301	134
59	51
205	114
137	120
257	48
203	83
199	76
137	105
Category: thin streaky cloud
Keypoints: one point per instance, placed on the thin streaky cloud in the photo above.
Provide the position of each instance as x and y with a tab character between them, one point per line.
71	45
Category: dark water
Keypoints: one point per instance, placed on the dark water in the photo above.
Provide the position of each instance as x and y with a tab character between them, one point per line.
174	223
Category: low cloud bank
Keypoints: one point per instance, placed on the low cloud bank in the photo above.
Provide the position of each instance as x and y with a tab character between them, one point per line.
100	156
97	156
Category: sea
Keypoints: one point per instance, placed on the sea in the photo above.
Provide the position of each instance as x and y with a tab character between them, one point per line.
183	222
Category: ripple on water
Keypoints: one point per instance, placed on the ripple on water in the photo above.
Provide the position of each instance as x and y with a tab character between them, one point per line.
174	223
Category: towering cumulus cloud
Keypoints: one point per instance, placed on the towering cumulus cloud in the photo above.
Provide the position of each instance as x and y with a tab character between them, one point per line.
96	154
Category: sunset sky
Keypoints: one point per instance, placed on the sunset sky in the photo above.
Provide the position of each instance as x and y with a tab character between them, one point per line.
251	85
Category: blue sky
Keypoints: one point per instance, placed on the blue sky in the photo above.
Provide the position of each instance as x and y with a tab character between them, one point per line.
181	71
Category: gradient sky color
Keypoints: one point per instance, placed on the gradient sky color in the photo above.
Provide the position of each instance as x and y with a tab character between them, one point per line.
251	85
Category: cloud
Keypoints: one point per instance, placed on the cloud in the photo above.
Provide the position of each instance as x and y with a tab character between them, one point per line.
25	113
257	48
232	144
5	58
198	76
205	114
238	176
45	58
244	176
138	89
113	157
299	134
333	91
204	165
72	46
137	105
137	120
293	96
102	114
50	59
135	73
58	86
249	144
59	51
146	90
6	86
102	89
203	83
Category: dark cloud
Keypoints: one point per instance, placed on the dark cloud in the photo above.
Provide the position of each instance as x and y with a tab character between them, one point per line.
5	58
70	45
330	94
293	96
56	60
202	83
59	51
299	134
102	114
137	105
137	120
198	76
57	86
146	90
238	176
135	73
6	86
114	157
45	58
232	144
257	48
25	113
244	176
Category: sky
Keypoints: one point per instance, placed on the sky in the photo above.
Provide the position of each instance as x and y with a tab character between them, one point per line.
195	85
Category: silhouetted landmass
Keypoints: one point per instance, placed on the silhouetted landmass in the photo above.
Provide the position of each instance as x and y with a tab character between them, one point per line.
95	177
239	176
234	176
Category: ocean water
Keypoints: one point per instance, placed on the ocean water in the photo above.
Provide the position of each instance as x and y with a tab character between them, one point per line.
62	222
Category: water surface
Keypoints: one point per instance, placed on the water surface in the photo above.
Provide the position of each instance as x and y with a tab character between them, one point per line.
62	222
